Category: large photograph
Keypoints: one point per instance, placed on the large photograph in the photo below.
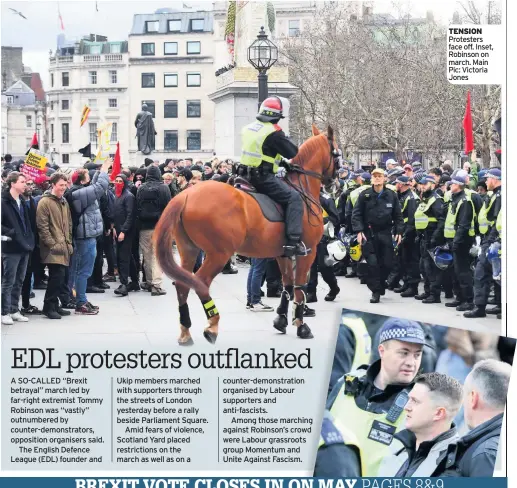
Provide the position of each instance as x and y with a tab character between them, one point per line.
413	399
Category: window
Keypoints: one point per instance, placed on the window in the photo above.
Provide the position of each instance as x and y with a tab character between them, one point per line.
52	133
170	48
51	106
147	80
197	25
193	140
174	25
150	106
65	158
113	76
92	102
294	28
193	108
52	79
28	142
65	78
170	109
193	47
28	121
65	133
170	79
115	48
193	79
112	103
65	104
152	26
147	48
95	49
93	133
114	132
92	76
170	140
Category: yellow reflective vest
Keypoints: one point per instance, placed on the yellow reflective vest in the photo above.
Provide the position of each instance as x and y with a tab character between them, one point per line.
421	218
363	341
450	221
253	137
499	222
412	195
355	194
370	433
483	222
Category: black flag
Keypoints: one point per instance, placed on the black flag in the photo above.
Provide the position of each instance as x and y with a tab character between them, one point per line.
86	151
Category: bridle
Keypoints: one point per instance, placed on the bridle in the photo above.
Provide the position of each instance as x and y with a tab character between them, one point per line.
308	199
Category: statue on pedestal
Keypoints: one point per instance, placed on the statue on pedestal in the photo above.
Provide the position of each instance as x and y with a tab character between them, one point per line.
145	130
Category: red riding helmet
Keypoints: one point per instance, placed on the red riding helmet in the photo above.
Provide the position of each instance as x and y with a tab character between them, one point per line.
271	109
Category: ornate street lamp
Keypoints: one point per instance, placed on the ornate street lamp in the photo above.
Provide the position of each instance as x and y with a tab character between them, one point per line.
262	54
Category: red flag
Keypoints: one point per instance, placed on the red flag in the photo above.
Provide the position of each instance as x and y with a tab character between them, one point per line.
467	127
60	18
115	170
34	143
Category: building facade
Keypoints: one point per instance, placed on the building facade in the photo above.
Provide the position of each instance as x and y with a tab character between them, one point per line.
22	116
171	69
93	74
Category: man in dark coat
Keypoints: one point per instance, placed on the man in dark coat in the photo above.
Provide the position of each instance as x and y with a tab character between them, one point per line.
17	244
124	217
145	131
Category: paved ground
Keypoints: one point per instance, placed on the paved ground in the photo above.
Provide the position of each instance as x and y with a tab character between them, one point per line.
142	320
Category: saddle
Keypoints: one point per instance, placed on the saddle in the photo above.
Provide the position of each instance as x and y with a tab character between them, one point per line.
270	209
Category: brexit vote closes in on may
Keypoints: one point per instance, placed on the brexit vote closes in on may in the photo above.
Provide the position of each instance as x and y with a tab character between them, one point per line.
34	164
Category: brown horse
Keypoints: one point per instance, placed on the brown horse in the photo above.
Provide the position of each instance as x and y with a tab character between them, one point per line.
221	220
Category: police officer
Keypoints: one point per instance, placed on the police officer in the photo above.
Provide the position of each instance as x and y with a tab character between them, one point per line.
366	407
483	273
264	143
408	250
429	223
460	232
377	211
330	215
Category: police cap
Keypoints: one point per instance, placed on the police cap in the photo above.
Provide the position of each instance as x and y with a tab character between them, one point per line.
402	330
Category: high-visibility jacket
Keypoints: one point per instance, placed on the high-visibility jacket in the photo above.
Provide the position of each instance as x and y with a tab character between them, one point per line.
421	218
253	137
355	194
363	341
450	220
483	222
412	195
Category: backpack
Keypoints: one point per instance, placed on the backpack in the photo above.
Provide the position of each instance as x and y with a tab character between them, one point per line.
76	217
149	209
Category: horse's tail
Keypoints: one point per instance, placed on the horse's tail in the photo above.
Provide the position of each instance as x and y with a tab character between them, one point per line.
168	226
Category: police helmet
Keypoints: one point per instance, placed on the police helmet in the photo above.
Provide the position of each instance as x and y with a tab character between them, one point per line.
271	109
354	249
336	250
441	257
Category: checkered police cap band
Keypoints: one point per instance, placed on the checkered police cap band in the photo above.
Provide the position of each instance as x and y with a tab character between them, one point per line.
406	334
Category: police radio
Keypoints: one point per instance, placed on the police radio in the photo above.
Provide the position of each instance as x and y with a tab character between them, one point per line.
398	407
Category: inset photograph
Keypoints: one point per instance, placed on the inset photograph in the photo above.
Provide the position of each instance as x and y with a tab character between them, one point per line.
413	399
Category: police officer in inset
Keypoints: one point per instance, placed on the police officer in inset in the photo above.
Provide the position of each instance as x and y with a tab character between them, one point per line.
483	274
408	250
429	223
374	216
264	143
460	233
366	407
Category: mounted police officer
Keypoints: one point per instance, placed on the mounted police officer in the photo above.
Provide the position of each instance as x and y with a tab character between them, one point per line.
264	144
366	407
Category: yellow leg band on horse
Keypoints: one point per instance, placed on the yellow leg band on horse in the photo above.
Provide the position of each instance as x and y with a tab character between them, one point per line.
209	304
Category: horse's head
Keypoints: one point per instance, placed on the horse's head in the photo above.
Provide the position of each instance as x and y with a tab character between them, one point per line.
330	154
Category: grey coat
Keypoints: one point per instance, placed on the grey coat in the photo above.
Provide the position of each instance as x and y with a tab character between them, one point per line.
85	201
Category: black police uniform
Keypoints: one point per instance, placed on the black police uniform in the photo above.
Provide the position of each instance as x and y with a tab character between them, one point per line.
408	249
375	214
483	272
429	238
463	279
278	190
327	272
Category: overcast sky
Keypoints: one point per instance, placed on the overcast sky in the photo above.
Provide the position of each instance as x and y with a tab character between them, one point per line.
37	35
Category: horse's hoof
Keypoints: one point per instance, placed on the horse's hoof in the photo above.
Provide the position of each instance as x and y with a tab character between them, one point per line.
304	332
280	323
189	342
210	336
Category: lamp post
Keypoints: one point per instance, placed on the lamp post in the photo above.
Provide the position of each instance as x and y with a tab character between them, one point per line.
262	54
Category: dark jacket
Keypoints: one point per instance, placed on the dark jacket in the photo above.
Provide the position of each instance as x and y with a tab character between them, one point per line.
278	143
151	199
22	236
345	214
408	199
84	203
327	203
124	211
378	212
433	234
463	220
493	233
475	453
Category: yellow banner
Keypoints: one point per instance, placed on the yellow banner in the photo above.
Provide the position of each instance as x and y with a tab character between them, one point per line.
36	160
103	141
